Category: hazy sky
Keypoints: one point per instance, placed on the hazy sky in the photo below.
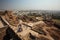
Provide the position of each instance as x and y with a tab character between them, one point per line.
30	4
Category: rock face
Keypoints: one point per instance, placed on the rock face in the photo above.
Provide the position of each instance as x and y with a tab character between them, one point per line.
26	18
2	32
12	19
8	15
39	30
49	32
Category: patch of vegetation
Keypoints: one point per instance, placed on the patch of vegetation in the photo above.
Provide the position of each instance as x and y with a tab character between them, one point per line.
57	21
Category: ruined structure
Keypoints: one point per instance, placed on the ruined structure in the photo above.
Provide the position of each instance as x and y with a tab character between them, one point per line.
12	19
6	33
38	30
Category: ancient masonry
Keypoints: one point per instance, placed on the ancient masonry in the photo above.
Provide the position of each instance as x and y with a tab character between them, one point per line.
30	31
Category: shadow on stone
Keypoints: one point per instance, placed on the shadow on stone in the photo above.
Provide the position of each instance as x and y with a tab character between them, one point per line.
10	34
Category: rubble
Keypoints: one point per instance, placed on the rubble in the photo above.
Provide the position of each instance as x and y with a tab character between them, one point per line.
31	29
12	19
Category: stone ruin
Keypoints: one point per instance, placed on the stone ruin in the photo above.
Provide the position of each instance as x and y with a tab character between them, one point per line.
11	18
39	31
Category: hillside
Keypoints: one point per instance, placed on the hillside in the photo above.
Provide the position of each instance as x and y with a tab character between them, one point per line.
27	28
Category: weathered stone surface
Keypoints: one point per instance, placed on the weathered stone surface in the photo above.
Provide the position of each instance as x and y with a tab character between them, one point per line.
2	32
38	30
12	19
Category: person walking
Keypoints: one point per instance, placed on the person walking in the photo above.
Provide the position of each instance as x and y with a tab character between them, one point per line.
19	28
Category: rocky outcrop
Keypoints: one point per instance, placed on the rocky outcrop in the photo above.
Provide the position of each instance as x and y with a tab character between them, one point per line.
11	19
2	32
39	30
